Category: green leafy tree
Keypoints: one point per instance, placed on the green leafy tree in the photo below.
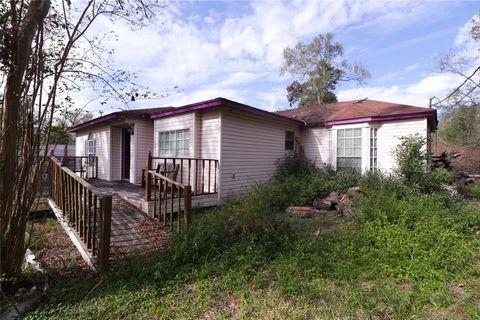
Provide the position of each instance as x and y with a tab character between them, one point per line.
318	68
461	125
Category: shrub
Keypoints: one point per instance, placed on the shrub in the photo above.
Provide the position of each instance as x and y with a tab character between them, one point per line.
469	190
255	221
294	164
412	165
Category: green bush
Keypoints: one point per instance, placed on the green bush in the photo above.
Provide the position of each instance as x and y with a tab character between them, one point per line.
469	190
294	164
412	165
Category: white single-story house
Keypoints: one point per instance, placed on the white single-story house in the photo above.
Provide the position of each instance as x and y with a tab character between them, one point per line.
234	146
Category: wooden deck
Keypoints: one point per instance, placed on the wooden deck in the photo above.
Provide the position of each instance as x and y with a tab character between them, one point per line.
135	195
133	232
107	220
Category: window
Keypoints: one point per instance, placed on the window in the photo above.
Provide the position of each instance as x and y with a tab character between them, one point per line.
373	149
349	149
90	149
174	143
289	140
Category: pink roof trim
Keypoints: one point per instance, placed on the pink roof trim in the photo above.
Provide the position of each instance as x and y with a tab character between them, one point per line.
394	117
218	102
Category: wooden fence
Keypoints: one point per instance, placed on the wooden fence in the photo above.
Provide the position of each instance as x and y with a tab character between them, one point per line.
171	200
86	209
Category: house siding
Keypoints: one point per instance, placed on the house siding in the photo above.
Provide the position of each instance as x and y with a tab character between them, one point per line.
316	144
208	146
204	129
389	134
141	144
178	122
250	147
102	137
116	154
388	137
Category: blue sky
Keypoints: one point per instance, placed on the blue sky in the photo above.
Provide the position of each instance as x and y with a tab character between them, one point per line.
234	49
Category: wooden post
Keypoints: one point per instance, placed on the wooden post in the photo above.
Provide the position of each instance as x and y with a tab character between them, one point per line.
105	230
96	167
147	176
187	205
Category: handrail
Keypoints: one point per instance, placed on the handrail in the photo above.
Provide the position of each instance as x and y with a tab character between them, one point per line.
181	185
186	158
84	207
169	196
201	174
79	179
85	166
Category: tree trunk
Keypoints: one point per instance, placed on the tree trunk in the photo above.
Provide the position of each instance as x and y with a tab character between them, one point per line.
12	211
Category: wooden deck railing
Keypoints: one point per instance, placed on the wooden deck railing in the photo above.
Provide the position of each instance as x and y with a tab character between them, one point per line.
86	209
171	199
85	166
200	174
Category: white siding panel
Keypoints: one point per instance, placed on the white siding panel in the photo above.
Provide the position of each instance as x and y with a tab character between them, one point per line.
116	154
316	144
208	134
251	146
208	147
142	143
103	151
389	134
80	144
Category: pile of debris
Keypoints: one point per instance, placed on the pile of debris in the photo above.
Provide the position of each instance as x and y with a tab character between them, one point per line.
342	203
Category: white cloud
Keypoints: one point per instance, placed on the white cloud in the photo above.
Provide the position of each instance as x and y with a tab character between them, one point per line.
464	44
236	53
418	94
412	67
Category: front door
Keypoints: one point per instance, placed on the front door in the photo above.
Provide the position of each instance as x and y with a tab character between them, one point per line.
125	154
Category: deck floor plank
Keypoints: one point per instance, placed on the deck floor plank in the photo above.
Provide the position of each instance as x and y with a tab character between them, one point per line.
132	231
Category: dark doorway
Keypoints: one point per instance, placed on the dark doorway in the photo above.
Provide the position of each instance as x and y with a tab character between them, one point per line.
126	154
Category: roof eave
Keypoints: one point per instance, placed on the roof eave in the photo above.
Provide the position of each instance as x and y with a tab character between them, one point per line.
116	116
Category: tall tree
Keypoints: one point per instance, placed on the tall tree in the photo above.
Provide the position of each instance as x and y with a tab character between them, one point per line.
461	125
47	51
318	68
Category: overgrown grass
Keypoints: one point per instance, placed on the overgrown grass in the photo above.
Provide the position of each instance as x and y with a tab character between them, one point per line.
469	190
404	255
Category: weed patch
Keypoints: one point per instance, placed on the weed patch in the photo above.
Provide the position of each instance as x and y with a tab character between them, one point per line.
398	257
